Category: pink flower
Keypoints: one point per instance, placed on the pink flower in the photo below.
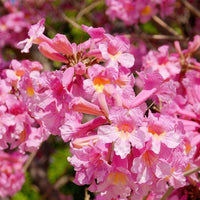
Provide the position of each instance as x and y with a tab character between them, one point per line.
35	33
162	129
51	53
45	94
11	173
62	45
89	161
149	167
117	183
72	128
123	130
167	65
114	52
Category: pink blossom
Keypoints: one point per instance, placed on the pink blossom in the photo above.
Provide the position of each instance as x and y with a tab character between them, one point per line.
90	162
149	168
45	94
114	53
62	45
72	128
167	66
123	131
50	53
11	173
161	129
35	34
117	184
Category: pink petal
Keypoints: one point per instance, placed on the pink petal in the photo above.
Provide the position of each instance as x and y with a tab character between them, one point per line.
126	60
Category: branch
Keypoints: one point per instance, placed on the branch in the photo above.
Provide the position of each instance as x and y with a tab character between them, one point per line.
88	9
62	181
192	171
169	191
158	37
164	25
29	160
87	196
67	19
70	21
191	8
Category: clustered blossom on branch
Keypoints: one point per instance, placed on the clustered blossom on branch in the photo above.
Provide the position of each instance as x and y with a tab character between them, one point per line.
18	129
20	14
130	148
134	11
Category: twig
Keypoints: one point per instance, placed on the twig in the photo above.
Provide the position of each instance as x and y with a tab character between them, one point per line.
88	9
87	196
191	8
164	25
67	19
159	37
150	105
72	22
192	171
30	159
169	191
62	181
164	37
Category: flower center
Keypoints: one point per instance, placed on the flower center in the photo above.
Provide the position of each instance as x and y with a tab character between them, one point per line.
99	83
149	158
30	91
124	130
146	10
156	133
117	178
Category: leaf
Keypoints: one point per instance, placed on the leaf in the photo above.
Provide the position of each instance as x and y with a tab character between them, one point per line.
59	164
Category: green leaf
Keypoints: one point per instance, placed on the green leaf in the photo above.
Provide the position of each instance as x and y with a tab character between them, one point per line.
149	28
59	164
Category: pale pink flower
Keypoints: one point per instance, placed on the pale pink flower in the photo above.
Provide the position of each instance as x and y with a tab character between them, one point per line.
35	33
89	161
118	182
123	131
162	129
167	65
149	167
114	52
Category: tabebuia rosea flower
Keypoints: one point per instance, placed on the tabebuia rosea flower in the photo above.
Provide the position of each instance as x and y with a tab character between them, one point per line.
135	11
125	143
123	131
11	173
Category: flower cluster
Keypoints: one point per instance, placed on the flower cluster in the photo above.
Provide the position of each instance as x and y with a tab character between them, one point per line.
11	173
20	14
18	127
134	11
131	146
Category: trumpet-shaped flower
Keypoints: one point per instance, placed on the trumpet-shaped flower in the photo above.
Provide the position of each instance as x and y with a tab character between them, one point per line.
123	131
